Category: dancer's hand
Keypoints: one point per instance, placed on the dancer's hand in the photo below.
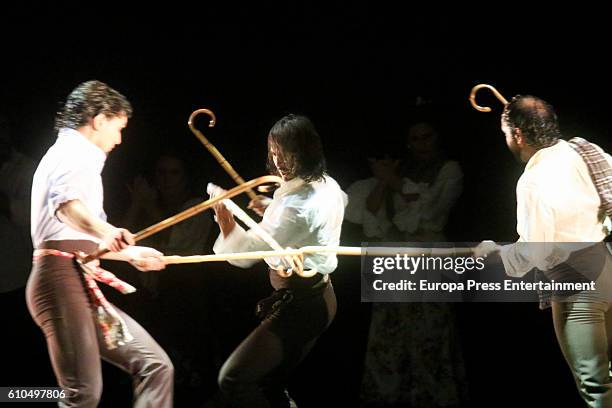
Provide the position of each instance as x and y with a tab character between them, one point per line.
80	255
259	204
486	248
118	239
144	258
223	216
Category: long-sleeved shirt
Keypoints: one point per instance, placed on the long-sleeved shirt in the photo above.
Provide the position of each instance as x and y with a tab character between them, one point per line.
556	203
429	212
300	214
70	170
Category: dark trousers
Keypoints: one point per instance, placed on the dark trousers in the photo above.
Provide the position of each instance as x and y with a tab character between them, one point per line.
256	372
60	305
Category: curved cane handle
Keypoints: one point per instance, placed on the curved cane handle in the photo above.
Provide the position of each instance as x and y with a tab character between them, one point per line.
492	89
213	150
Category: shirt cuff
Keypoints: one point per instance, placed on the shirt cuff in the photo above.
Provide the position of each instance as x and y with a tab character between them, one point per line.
514	263
232	242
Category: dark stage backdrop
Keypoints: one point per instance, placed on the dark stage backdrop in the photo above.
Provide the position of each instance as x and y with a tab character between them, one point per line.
357	72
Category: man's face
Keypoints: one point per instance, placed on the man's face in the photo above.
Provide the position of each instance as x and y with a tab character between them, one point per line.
109	132
280	163
513	146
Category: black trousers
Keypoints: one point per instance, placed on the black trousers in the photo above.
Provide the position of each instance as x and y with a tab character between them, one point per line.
256	372
60	305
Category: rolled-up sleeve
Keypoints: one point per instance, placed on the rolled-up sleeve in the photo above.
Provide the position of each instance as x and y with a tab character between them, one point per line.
67	184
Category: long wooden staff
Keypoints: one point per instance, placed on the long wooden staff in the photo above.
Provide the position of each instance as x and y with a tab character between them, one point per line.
196	209
213	150
338	250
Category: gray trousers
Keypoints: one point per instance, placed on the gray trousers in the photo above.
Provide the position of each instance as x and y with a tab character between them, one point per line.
583	325
59	304
584	333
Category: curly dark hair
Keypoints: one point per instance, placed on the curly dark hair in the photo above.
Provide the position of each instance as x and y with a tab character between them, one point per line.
89	99
535	118
299	144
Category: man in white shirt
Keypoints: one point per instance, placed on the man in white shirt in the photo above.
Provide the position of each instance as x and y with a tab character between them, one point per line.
68	219
557	202
307	209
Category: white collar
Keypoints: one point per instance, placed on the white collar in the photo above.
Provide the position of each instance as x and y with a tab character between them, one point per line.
537	156
287	187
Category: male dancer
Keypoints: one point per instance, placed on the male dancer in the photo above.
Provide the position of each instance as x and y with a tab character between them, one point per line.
68	219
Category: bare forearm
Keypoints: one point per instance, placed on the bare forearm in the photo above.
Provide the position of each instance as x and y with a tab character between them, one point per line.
77	216
125	255
227	227
116	256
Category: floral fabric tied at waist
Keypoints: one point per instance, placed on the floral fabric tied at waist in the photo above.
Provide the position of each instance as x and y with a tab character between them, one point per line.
113	327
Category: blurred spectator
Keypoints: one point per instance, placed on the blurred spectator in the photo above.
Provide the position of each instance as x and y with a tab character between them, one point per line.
169	193
409	199
413	354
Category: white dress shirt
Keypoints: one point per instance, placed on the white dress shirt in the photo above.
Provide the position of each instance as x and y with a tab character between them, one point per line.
556	202
300	214
70	170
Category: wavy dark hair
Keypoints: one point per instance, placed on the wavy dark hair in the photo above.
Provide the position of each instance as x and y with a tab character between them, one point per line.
298	143
535	118
89	99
